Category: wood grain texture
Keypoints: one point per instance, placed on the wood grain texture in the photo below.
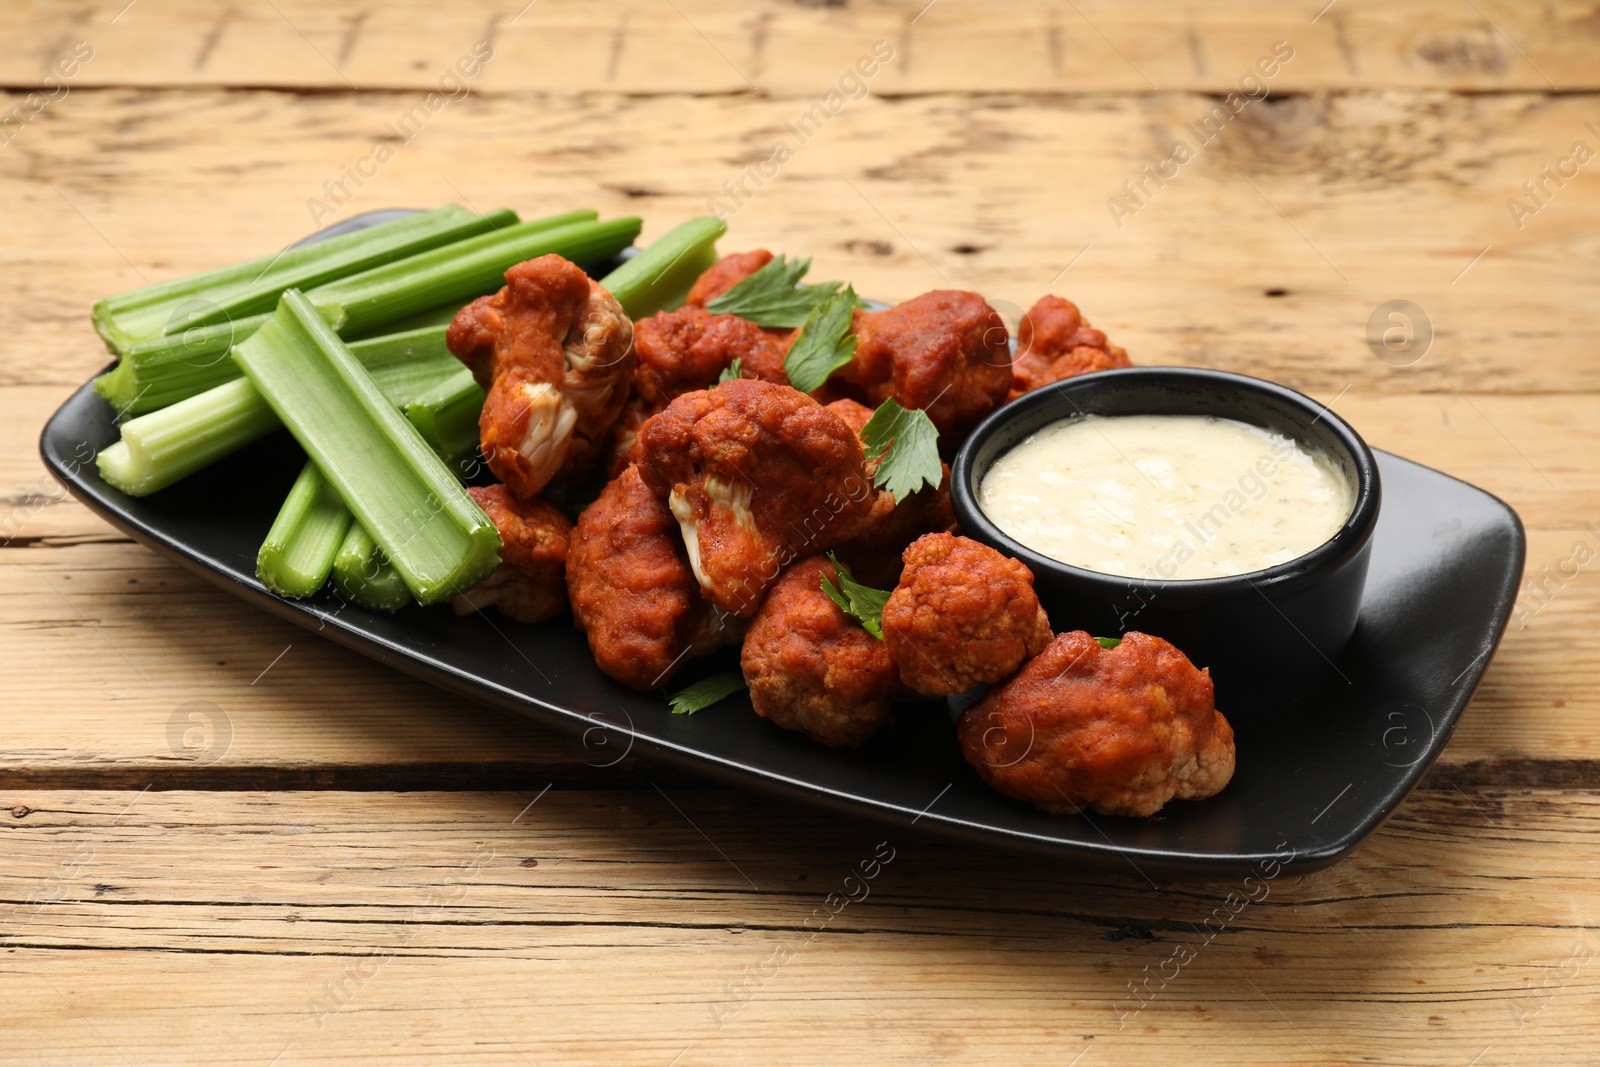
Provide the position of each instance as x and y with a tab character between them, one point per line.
725	46
1268	252
229	841
640	926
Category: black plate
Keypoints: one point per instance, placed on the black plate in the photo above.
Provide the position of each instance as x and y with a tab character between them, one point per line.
1314	777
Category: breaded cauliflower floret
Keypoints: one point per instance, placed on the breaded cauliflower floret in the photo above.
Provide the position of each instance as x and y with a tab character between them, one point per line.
812	668
1121	730
530	583
684	350
1054	342
945	352
631	589
554	350
726	273
756	475
855	415
962	615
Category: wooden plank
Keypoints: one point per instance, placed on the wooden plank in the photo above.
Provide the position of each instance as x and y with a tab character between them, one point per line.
230	929
722	46
1272	251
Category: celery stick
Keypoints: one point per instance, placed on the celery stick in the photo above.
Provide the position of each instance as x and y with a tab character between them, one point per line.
398	490
242	289
144	312
407	365
439	318
297	556
447	416
164	446
162	370
165	370
462	271
658	278
240	417
262	296
362	574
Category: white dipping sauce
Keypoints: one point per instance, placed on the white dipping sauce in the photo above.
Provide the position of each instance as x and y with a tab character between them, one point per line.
1166	496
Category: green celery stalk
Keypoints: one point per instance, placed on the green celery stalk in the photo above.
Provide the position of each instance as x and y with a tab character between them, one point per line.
163	446
402	494
462	271
362	574
447	416
407	365
163	370
659	278
232	418
228	293
159	448
297	556
440	318
437	231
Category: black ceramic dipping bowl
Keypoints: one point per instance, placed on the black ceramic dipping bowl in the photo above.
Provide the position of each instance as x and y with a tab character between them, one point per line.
1267	634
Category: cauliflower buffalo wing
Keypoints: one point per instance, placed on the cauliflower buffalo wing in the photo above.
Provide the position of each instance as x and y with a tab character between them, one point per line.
812	668
684	350
962	615
944	352
688	349
1054	342
756	475
632	591
530	583
554	350
1121	730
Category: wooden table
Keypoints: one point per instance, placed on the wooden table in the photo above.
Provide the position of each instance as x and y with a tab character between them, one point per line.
230	842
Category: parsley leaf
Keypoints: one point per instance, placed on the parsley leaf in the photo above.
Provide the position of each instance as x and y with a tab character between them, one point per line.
824	343
706	692
732	372
906	445
861	602
773	295
1108	642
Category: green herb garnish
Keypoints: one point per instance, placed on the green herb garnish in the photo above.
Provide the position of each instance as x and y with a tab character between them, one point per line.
1109	642
861	602
824	343
905	444
706	692
732	372
773	295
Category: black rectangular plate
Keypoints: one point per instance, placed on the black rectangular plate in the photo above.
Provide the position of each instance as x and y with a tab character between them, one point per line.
1314	776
